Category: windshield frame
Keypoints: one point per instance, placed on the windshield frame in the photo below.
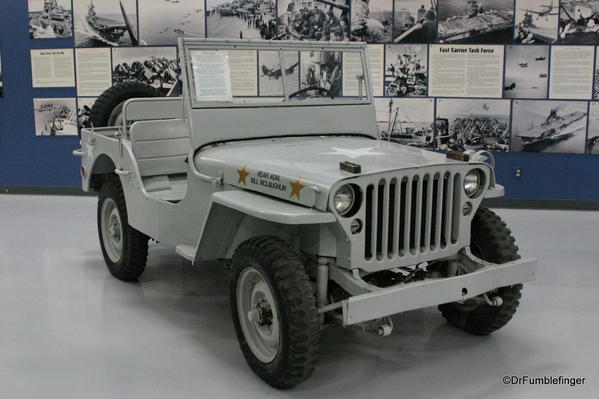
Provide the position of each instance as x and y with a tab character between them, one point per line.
187	45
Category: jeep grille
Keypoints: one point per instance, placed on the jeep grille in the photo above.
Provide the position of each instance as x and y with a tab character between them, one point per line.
410	216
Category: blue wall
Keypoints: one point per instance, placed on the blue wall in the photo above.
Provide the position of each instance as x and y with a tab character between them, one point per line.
27	160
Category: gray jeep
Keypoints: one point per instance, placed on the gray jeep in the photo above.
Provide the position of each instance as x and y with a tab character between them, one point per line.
319	220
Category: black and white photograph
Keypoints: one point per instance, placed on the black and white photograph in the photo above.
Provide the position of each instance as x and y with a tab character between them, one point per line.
241	19
579	22
372	20
50	19
596	73
323	70
102	23
465	124
406	121
55	116
536	21
526	71
406	73
476	21
549	126
161	22
415	21
313	20
272	74
592	142
84	111
156	66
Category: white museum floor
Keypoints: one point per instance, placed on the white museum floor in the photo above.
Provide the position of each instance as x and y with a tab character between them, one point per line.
70	330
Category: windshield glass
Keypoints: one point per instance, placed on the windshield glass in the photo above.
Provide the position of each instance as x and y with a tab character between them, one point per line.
251	76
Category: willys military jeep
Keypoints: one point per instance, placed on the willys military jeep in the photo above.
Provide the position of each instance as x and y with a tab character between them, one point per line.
316	218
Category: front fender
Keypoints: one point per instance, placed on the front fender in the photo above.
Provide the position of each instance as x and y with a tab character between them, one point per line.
228	209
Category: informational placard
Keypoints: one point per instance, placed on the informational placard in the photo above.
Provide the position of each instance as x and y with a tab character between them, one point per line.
352	67
211	76
52	68
93	71
571	72
244	73
466	71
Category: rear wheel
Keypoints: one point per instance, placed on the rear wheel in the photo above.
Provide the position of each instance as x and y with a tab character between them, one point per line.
125	249
492	241
108	108
274	312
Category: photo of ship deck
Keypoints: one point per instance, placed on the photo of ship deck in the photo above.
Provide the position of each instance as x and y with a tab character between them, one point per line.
50	19
241	19
579	22
549	126
105	23
161	22
476	21
406	70
468	124
406	121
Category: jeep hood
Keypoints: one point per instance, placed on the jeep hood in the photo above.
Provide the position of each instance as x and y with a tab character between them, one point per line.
303	169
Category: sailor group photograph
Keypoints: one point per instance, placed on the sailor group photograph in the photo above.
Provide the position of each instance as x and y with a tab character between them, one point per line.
50	19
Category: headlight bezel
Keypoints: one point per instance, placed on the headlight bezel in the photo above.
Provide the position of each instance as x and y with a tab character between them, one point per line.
354	206
480	183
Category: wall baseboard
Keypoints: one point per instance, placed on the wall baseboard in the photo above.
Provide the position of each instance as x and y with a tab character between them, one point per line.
516	203
530	203
44	190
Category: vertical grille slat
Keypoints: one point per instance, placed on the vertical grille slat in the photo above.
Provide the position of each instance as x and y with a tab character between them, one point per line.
385	218
412	214
440	203
415	244
448	211
375	220
428	219
407	217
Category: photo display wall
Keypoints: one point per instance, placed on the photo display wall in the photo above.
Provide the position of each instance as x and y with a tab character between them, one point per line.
498	75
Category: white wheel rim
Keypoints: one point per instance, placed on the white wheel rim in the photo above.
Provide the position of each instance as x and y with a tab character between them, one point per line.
112	230
258	315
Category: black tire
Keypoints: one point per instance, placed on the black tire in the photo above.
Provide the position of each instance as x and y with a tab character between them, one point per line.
134	253
296	307
110	103
492	241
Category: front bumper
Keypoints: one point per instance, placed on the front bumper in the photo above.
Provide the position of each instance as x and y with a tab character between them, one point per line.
431	292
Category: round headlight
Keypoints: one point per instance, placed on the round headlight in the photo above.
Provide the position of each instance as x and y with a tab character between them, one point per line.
344	199
472	182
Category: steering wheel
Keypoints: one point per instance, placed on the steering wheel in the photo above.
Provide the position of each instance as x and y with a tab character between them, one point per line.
319	89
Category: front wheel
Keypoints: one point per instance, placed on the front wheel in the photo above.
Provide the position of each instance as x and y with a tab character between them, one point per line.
125	249
492	241
274	312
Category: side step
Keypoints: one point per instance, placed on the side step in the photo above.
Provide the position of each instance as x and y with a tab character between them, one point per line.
186	251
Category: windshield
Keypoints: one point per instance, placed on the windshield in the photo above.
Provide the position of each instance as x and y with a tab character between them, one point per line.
271	75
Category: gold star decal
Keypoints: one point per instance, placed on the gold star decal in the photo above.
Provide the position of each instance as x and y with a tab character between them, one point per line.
243	173
296	187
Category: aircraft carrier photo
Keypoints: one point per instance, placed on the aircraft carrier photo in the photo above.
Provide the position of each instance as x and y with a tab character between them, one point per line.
475	23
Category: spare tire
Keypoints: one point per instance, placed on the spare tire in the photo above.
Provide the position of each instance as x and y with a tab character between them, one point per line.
108	107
